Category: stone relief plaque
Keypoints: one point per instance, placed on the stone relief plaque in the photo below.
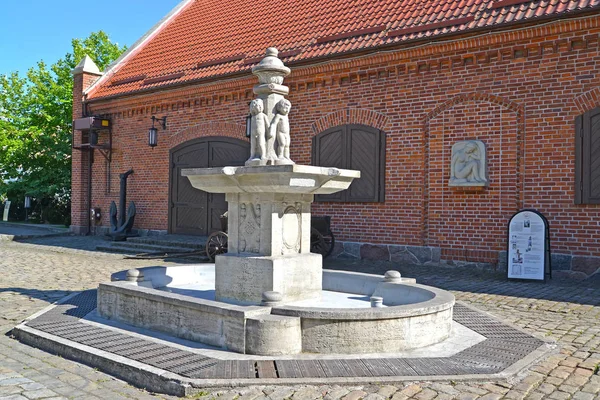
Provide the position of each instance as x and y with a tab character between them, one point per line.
292	228
249	231
468	166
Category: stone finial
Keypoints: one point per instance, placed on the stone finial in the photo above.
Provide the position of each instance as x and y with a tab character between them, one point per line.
392	276
376	302
271	299
135	275
271	68
87	66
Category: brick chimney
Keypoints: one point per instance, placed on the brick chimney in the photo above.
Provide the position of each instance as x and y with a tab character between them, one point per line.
84	76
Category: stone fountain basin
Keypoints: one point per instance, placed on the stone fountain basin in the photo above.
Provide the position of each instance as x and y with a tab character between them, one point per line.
300	179
179	301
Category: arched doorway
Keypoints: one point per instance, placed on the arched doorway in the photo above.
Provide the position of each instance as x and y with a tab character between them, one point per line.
192	211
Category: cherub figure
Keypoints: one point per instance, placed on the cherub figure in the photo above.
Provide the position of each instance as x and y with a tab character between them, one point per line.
259	126
466	165
280	126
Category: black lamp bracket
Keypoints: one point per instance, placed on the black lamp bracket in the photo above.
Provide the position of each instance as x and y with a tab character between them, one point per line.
163	121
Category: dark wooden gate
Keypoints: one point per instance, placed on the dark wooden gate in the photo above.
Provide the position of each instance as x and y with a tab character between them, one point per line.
587	157
192	211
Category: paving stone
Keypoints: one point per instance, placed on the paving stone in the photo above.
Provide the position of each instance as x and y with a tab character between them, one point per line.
399	396
495	388
559	396
426	394
387	391
10	390
14	381
490	396
39	394
444	388
285	393
374	396
582	396
255	393
232	395
355	395
470	389
535	396
410	390
32	386
515	394
467	396
546	388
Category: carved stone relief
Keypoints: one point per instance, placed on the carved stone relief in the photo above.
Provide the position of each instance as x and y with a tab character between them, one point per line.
468	165
249	232
292	228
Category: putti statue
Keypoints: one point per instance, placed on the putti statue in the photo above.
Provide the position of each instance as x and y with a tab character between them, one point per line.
269	112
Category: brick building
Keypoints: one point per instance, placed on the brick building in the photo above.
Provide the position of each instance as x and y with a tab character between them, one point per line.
385	87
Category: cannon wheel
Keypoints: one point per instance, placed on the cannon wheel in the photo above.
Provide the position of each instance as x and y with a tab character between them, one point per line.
216	244
321	244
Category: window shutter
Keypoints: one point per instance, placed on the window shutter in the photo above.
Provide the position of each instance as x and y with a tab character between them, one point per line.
328	151
355	147
579	160
591	157
364	148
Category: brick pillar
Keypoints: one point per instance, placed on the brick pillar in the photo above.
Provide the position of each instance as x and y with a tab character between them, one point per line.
84	75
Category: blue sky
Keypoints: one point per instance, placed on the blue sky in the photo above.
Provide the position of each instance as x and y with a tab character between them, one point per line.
33	30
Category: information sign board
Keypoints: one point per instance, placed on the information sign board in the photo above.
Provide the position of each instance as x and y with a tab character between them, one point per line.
528	246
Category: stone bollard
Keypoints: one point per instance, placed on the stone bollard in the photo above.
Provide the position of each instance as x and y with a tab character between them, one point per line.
392	277
136	277
376	302
271	299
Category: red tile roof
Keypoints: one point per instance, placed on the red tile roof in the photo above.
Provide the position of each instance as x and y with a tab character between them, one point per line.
210	38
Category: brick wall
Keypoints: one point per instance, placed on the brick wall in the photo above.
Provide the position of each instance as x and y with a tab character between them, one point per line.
519	92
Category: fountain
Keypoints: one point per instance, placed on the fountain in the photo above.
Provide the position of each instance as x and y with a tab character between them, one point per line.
269	295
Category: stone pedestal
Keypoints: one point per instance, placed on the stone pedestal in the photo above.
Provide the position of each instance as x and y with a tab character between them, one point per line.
269	228
243	278
268	249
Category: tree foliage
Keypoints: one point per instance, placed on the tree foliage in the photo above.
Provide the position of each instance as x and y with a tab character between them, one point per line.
35	126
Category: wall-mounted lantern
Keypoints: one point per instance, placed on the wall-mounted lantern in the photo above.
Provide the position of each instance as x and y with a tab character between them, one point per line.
153	132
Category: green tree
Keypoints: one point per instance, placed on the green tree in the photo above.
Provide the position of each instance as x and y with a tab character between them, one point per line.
35	128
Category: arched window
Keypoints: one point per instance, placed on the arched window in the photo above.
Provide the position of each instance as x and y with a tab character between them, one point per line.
587	157
357	147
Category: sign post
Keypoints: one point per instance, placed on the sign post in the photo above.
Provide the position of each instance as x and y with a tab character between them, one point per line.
529	246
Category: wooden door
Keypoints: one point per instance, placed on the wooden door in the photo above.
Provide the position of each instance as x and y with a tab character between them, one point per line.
193	211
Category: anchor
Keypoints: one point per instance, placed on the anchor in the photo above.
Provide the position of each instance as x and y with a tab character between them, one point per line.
121	229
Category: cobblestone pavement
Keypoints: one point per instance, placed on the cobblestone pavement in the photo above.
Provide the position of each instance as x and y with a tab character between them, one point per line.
39	272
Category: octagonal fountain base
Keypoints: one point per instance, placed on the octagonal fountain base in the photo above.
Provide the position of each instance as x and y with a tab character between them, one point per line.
180	301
